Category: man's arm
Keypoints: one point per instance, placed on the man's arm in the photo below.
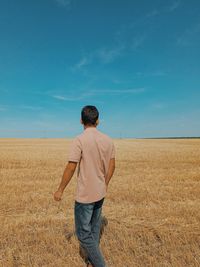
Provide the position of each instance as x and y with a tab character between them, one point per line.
111	170
67	175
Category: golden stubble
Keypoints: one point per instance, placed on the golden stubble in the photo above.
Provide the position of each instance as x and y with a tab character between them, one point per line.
152	204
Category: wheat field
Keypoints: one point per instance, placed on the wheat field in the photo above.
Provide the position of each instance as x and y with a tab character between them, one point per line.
152	204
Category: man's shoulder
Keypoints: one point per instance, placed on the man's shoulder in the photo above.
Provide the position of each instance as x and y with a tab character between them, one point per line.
83	135
78	137
105	136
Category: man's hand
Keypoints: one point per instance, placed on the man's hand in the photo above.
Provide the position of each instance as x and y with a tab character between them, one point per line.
58	195
111	169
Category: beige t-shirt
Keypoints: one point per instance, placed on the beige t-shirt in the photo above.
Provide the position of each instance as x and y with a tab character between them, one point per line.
93	150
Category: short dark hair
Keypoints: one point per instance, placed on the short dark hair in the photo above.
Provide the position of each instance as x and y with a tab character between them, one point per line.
89	115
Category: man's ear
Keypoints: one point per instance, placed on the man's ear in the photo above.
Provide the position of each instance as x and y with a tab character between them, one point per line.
81	121
97	121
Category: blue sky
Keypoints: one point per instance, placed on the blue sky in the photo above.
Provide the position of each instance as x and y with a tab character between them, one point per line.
136	61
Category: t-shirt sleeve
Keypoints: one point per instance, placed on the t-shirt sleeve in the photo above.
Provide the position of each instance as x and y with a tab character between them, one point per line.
113	151
75	150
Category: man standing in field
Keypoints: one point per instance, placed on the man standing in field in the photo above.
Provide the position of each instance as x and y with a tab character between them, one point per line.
94	152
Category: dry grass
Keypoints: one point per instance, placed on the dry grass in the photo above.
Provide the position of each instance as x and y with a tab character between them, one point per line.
152	205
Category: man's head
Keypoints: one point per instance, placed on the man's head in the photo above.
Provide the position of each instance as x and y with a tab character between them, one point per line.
89	116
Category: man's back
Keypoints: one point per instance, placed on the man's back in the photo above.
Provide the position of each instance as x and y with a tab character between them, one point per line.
93	150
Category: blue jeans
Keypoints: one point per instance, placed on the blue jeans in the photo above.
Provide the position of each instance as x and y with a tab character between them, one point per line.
87	228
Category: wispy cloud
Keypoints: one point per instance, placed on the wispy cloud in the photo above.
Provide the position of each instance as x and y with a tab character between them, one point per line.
76	97
146	18
64	3
159	105
173	6
142	20
137	41
189	36
125	39
120	91
151	14
103	55
60	97
85	60
107	55
96	92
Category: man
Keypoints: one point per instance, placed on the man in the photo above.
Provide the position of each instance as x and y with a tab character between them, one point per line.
94	152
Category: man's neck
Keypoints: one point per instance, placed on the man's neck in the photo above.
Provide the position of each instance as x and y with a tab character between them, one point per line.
85	127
